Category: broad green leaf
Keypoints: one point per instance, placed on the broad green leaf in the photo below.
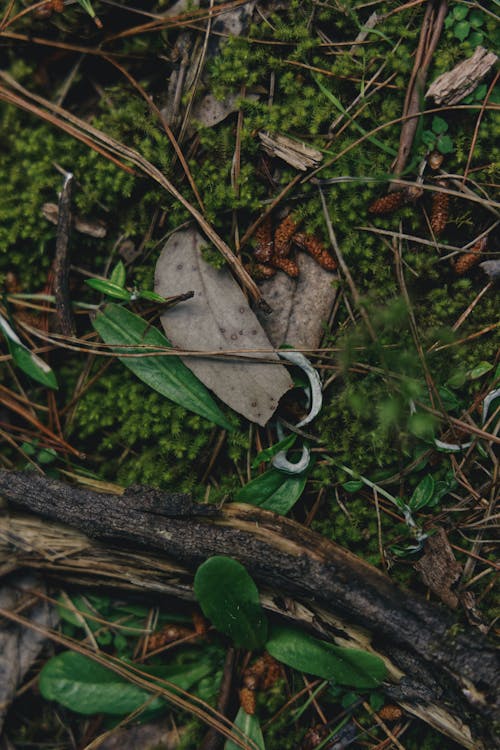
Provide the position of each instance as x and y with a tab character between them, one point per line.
151	296
353	485
250	726
118	274
475	39
429	138
422	494
268	453
274	490
229	598
479	370
439	125
461	30
346	666
167	375
84	686
32	364
445	144
109	288
460	12
476	19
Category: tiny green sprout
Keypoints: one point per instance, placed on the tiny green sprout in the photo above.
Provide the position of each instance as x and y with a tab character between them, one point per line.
437	138
466	24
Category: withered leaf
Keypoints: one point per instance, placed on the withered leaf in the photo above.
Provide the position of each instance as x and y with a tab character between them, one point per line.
218	318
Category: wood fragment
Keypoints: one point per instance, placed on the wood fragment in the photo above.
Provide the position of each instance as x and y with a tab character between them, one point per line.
453	86
298	155
92	227
450	681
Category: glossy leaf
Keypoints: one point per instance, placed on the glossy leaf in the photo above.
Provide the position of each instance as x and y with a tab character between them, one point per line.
268	453
118	274
32	365
423	493
353	485
84	686
439	125
151	296
274	490
250	727
445	144
109	288
346	666
461	30
479	370
167	375
229	598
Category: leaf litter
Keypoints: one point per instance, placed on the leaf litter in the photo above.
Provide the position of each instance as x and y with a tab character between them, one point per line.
219	319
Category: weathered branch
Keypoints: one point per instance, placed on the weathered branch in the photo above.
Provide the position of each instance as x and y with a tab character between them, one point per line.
448	679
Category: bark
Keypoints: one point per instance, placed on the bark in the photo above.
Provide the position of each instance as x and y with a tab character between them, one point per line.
447	676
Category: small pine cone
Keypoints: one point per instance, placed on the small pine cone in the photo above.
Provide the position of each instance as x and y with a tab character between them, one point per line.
260	271
287	265
316	249
390	713
264	249
465	262
283	236
440	211
272	673
389	203
247	700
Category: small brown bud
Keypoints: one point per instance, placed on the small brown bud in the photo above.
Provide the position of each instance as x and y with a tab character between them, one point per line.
316	249
466	261
389	203
247	700
390	713
264	248
287	265
435	159
283	236
440	211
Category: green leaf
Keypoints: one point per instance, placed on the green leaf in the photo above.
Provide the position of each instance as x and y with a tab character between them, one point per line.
118	274
423	493
461	30
429	138
84	686
109	288
46	456
167	375
32	364
353	485
150	296
476	19
346	666
439	125
460	12
476	38
479	370
274	490
268	453
87	687
445	145
229	598
250	727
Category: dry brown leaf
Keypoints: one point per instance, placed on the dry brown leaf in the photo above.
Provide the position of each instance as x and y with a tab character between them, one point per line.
218	318
439	569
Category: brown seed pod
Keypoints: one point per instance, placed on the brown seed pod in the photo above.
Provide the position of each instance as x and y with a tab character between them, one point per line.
316	249
389	203
264	248
287	265
435	159
466	261
260	271
247	700
250	680
272	671
440	211
168	634
390	713
283	236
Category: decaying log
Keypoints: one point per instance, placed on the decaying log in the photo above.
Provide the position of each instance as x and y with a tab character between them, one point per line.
447	676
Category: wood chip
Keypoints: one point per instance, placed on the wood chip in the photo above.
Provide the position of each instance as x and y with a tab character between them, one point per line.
298	155
453	86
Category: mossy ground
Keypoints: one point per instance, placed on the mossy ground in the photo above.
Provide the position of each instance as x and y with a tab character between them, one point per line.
131	434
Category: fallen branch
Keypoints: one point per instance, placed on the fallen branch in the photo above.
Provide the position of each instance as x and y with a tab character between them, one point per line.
447	678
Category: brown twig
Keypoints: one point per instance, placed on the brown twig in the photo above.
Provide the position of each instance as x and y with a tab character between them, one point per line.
61	261
432	26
